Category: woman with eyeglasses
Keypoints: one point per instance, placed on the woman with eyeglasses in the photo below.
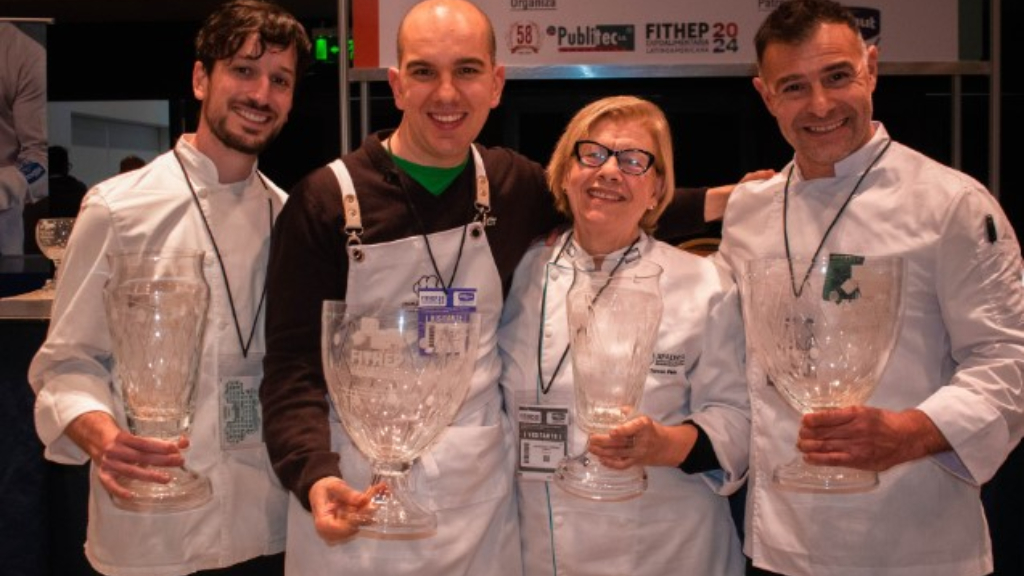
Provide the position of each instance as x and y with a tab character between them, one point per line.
612	175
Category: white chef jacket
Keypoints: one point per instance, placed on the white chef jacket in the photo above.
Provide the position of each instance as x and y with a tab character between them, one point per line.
152	209
681	524
958	358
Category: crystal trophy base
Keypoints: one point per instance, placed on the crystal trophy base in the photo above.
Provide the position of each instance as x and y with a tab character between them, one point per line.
185	491
798	476
394	513
586	477
394	509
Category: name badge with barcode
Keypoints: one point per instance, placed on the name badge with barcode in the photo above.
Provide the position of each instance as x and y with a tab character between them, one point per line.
543	440
444	319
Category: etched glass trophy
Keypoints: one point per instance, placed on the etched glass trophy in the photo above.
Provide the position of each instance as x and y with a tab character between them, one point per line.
613	324
822	331
397	380
156	310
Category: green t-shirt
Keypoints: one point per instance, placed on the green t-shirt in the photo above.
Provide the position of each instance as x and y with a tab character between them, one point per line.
435	180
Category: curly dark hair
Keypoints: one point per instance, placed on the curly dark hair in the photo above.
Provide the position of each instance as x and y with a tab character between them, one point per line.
225	31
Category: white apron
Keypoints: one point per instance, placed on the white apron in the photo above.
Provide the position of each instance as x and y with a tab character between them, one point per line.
466	477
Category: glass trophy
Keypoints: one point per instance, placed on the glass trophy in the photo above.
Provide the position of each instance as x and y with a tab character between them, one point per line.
156	310
822	331
397	381
613	317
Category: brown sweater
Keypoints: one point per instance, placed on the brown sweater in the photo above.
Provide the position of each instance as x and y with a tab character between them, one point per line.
309	264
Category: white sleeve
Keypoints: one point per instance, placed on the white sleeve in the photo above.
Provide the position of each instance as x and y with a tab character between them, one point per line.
71	372
981	410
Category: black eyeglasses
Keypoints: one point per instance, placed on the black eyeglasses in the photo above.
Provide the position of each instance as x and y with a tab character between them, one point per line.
634	161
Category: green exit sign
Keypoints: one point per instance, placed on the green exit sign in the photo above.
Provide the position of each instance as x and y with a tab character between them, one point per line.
326	47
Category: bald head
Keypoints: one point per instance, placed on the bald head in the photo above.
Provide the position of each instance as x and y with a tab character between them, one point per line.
440	14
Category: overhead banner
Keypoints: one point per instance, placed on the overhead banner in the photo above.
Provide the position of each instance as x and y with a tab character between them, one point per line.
656	32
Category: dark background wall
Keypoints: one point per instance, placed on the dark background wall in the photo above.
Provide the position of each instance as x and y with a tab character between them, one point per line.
720	125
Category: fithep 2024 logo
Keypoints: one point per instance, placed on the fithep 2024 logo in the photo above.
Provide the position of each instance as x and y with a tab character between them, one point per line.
691	37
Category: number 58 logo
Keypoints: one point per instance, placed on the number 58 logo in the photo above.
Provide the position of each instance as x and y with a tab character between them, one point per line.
523	37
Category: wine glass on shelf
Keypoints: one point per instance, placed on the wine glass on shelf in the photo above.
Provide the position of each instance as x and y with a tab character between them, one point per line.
397	379
613	318
822	331
52	238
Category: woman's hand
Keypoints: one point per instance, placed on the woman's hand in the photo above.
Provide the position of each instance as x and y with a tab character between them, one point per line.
644	442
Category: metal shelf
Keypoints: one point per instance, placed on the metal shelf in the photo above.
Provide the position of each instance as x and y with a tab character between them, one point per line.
616	71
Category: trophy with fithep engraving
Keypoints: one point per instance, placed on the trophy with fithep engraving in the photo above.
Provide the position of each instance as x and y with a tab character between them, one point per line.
397	379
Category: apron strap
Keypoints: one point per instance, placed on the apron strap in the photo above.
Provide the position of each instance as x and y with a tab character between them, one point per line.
353	228
483	188
349	203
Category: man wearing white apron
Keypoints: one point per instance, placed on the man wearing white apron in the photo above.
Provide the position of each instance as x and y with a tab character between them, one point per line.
424	209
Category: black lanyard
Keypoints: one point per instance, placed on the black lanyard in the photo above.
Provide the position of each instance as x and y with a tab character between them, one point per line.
423	232
430	251
243	344
545	388
798	291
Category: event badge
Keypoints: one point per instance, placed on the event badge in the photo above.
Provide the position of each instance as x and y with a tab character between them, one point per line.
543	439
241	420
841	278
443	317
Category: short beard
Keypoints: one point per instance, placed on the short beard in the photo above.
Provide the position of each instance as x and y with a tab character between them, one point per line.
241	144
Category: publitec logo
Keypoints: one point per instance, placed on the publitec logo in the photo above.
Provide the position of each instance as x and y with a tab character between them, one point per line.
523	37
767	5
598	38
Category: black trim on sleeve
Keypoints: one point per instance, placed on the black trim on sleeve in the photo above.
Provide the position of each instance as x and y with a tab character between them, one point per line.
702	456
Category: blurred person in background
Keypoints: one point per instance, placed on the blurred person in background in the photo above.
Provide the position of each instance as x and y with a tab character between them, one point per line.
22	132
66	191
